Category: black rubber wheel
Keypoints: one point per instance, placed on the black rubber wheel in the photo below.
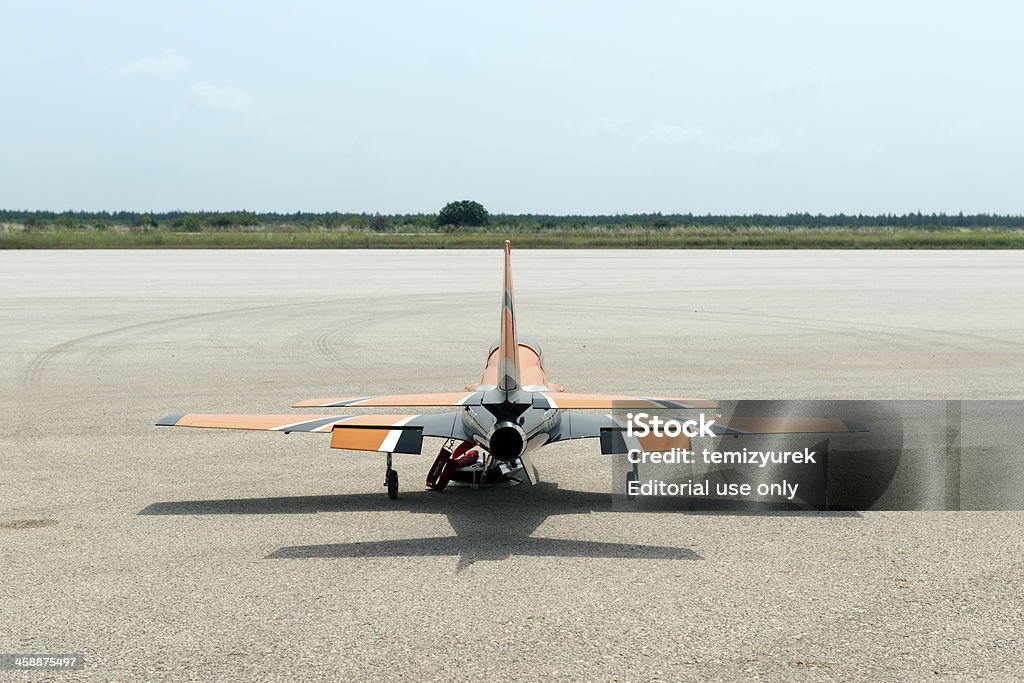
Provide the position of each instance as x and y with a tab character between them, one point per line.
392	484
630	476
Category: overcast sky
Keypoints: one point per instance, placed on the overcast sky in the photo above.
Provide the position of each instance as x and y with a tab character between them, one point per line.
546	107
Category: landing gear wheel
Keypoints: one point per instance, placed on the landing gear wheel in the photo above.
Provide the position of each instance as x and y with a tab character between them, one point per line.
392	484
631	476
391	480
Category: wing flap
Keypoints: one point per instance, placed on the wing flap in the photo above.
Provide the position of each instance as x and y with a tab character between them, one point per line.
383	440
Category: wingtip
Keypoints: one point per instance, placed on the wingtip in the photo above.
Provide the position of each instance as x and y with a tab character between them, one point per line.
170	420
318	403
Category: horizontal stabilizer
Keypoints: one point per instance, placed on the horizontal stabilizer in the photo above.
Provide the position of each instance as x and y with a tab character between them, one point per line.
454	398
566	400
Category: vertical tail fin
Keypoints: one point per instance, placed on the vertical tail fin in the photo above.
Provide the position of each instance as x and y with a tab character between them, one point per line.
508	351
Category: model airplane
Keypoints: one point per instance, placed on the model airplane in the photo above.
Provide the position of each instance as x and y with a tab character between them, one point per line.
500	421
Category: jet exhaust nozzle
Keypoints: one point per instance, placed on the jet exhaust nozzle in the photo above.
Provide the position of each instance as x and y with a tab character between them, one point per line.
508	441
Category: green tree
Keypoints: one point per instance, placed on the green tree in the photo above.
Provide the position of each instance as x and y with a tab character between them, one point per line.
461	213
247	219
191	223
379	223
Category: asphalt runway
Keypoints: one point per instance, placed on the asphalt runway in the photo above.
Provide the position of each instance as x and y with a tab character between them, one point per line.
213	555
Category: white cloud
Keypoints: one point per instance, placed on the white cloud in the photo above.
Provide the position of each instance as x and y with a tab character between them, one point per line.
668	134
219	97
166	65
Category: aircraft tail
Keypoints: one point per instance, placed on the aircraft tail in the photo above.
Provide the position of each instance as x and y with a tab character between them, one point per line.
508	345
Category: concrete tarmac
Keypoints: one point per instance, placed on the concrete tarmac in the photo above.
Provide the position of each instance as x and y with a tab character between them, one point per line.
215	555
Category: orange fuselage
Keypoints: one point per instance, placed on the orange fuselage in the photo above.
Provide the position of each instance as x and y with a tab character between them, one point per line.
531	370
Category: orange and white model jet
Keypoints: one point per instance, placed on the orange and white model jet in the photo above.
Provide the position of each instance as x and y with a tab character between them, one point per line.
500	421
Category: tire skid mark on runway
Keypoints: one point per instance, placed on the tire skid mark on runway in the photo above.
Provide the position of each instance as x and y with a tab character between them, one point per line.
834	328
882	328
102	353
328	341
323	346
893	334
37	367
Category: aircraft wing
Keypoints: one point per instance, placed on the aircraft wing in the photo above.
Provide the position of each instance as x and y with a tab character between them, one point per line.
737	426
566	400
383	433
612	431
454	398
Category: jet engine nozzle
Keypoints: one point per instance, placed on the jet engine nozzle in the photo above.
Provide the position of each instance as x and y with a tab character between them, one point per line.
508	441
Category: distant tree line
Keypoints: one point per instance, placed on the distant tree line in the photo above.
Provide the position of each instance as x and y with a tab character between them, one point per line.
836	220
185	221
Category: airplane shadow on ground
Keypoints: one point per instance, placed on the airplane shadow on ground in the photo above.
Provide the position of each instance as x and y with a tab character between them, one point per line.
491	524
